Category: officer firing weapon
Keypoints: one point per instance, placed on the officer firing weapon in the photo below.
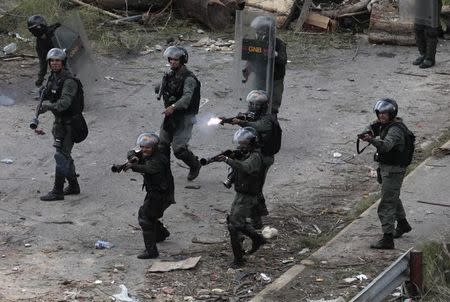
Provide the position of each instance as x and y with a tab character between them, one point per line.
234	154
132	160
248	116
35	121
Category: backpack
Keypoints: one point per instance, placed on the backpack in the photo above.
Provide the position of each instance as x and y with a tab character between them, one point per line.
410	140
79	126
271	142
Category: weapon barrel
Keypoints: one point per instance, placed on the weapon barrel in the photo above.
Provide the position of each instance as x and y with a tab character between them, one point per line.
35	121
117	168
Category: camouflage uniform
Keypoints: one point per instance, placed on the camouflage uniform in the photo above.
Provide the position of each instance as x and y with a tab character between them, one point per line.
248	179
176	130
43	45
390	209
159	185
279	73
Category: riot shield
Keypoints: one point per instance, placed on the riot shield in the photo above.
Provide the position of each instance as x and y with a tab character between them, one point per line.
421	12
254	53
71	37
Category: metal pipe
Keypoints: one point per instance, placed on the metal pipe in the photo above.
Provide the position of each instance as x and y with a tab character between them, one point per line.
415	271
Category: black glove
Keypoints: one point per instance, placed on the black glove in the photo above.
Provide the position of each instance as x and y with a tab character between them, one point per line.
39	82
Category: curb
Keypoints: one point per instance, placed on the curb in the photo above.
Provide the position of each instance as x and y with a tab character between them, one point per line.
295	270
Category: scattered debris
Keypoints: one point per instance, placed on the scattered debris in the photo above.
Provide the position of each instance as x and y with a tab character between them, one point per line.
269	232
340	299
265	278
10	48
307	262
101	244
166	266
98	282
337	154
123	295
7	161
207	241
304	251
194	187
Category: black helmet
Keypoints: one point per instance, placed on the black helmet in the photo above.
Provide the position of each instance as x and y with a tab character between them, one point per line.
177	52
37	25
246	138
386	105
146	139
56	54
257	101
264	26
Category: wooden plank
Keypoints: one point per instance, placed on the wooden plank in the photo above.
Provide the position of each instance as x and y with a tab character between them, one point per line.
318	20
280	7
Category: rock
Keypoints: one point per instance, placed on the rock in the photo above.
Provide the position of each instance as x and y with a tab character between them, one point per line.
307	262
168	290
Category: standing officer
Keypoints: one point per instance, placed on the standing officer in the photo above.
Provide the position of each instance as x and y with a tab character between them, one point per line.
426	29
181	94
265	28
249	172
262	122
64	98
154	165
395	147
44	35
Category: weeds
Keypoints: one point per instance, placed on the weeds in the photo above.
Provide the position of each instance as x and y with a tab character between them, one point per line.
436	264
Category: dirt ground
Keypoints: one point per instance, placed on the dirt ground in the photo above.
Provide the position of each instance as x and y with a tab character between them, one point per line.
47	248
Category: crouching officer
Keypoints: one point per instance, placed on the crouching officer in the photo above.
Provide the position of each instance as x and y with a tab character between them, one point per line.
262	122
249	172
180	90
154	165
62	97
395	148
44	42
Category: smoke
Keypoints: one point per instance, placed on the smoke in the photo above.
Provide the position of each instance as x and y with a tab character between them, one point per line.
5	100
207	131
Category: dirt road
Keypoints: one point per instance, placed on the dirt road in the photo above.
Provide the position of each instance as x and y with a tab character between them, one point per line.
329	94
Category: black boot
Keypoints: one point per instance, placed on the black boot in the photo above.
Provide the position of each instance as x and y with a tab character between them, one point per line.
421	45
162	232
57	192
73	188
430	56
402	228
151	251
257	239
385	243
257	222
238	252
191	160
194	169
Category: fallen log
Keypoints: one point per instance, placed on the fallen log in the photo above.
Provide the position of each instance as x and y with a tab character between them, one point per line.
353	8
129	4
94	8
393	39
212	13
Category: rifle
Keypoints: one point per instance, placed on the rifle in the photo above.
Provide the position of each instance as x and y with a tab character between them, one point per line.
133	160
375	129
248	116
235	154
35	121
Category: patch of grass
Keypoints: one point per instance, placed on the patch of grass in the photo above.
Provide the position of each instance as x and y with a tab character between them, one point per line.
446	2
316	242
436	272
362	206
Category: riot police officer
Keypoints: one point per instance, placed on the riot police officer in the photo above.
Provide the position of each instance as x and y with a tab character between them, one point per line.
44	42
154	165
426	29
263	123
395	146
180	90
63	98
249	170
265	28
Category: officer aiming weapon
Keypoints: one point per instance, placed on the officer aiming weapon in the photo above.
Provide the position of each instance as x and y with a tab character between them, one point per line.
133	160
235	154
248	116
35	121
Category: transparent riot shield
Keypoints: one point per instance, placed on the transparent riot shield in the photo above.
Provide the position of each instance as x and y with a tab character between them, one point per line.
254	53
71	37
421	12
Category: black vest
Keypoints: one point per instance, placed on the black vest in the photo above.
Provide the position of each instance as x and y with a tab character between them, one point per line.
250	184
54	89
173	89
161	182
394	157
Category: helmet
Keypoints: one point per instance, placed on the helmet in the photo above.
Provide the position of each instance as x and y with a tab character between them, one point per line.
146	139
264	26
245	137
386	105
257	101
37	25
176	52
56	54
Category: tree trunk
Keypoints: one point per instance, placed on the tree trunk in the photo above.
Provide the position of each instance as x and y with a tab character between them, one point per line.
129	4
388	38
213	13
360	6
